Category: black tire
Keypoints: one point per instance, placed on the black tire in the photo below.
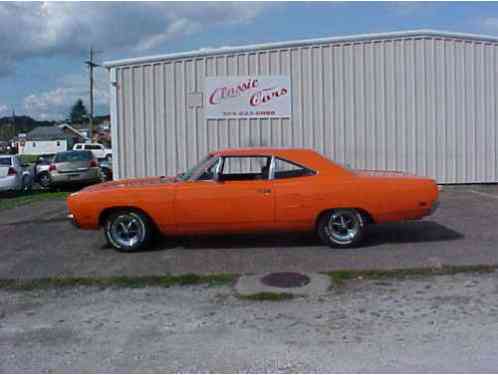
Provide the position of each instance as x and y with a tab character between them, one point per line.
342	233
141	235
44	180
26	184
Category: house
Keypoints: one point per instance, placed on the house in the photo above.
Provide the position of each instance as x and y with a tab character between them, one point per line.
76	135
44	140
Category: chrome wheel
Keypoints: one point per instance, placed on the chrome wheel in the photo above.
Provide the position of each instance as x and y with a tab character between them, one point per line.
343	227
127	230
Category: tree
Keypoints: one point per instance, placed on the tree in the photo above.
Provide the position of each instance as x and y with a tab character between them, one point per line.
78	113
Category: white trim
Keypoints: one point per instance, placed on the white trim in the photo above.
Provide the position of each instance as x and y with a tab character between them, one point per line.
114	123
340	39
73	129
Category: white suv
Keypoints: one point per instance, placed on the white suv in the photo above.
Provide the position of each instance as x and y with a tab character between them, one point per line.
98	150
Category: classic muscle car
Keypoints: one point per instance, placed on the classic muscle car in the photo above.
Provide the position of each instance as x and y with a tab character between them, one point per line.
253	190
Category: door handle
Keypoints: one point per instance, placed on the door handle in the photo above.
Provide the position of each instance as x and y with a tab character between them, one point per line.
264	191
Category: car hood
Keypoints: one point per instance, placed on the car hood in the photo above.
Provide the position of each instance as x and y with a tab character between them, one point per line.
131	183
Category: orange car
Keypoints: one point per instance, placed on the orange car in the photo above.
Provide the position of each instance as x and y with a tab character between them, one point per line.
254	190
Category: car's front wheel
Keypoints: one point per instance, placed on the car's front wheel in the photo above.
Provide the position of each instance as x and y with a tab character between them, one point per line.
128	230
342	228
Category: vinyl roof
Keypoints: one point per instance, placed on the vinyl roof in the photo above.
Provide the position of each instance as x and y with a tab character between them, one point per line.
296	43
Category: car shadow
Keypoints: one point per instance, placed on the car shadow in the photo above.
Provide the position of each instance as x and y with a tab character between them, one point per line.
410	232
403	232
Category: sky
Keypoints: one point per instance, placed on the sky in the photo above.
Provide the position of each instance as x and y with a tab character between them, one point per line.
43	45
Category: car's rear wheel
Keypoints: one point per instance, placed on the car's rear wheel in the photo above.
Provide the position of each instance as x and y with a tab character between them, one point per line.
342	228
128	230
44	180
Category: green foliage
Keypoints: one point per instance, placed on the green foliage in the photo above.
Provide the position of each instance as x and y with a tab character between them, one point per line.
340	277
78	114
24	198
267	296
118	281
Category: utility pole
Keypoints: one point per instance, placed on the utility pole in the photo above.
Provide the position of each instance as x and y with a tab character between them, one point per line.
91	65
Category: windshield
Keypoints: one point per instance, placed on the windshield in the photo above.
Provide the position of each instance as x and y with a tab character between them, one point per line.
195	169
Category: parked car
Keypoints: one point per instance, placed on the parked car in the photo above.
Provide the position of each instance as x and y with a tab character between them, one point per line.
74	167
106	168
98	150
14	174
253	190
42	175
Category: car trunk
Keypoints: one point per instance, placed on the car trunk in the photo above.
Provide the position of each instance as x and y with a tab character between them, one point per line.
73	166
4	171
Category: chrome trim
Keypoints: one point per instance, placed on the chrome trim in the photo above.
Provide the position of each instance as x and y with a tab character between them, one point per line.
434	207
271	173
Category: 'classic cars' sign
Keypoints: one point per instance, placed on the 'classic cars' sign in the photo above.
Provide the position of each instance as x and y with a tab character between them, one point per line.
247	97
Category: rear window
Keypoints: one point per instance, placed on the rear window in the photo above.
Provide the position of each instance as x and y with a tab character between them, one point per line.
5	162
69	156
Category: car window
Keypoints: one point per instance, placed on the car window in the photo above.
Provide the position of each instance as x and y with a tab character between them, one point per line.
78	147
70	156
6	161
243	168
287	169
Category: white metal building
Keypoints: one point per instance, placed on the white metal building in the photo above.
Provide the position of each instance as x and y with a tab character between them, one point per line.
418	101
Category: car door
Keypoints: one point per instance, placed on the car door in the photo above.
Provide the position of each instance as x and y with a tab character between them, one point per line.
296	194
240	199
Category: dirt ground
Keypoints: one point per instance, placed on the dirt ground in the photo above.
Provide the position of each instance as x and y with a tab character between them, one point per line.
429	324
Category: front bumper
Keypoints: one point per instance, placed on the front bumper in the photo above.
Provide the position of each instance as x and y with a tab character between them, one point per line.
73	221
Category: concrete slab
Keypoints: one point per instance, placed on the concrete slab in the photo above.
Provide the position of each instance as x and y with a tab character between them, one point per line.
252	284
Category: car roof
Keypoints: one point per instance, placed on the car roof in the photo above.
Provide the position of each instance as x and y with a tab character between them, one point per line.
303	156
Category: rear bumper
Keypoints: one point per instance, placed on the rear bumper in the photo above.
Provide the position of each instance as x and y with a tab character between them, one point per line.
10	183
90	176
434	208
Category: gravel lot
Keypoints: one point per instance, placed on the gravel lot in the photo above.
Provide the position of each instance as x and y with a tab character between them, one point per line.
430	324
37	241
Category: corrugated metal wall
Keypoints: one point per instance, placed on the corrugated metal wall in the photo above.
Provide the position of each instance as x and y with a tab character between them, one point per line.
425	105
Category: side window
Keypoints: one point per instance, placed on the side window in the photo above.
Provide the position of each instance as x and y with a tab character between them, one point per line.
78	147
287	169
245	168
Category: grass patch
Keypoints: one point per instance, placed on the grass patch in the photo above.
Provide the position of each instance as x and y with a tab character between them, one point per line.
340	277
119	281
8	201
267	296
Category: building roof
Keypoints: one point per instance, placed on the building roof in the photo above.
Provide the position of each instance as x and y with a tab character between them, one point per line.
75	131
340	39
46	133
